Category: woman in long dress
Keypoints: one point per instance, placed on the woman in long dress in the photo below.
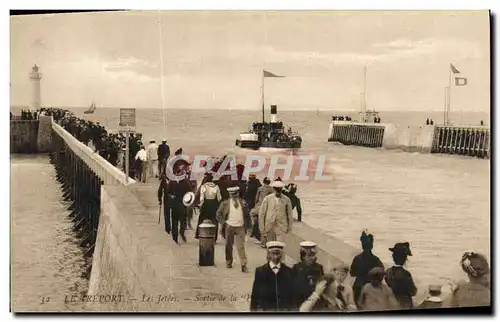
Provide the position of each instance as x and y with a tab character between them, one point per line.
210	197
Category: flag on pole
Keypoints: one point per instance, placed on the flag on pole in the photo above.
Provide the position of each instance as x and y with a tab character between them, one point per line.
265	73
460	81
454	69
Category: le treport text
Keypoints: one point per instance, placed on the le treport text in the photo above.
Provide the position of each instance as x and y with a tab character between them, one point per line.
154	299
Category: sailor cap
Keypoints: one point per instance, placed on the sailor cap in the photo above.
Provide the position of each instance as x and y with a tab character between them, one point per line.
308	244
233	189
277	184
275	245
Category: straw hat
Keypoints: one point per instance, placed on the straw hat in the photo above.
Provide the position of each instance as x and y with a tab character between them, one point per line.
188	199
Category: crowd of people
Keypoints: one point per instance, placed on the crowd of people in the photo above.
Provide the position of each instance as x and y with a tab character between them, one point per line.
306	287
341	118
110	146
264	211
209	200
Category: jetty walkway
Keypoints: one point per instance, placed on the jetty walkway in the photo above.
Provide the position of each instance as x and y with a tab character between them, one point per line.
231	282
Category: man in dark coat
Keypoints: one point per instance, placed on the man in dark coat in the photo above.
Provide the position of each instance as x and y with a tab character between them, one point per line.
164	198
399	279
163	154
273	283
253	184
362	265
290	191
178	188
306	273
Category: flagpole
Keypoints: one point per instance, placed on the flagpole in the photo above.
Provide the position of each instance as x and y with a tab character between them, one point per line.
161	77
445	104
262	95
364	96
449	99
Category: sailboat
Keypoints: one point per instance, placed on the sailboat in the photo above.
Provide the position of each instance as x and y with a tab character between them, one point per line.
91	109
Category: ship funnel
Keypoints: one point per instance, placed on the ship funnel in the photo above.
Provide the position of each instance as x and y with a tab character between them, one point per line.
274	113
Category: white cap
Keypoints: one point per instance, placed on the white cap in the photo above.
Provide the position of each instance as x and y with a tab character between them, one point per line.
275	245
277	184
308	244
233	189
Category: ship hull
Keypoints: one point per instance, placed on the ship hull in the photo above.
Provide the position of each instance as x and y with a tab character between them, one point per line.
246	144
281	145
255	145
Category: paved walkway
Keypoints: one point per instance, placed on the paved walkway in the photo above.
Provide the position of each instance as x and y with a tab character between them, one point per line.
233	282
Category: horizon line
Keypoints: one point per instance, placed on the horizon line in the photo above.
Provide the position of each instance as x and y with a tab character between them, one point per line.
243	109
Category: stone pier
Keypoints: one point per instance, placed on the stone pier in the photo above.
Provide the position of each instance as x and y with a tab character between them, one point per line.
462	140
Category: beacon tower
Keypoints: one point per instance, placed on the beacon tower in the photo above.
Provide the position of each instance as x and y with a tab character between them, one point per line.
36	78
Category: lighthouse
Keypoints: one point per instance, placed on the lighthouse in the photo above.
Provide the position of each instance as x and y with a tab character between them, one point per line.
36	78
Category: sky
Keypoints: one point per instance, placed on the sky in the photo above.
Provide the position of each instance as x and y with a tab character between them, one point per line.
214	59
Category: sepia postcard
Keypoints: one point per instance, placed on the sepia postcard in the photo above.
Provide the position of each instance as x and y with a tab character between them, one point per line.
250	161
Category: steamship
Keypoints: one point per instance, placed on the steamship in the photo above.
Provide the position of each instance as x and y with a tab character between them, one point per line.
270	135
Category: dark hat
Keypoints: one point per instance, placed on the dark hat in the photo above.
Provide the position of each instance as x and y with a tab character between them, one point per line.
366	237
401	248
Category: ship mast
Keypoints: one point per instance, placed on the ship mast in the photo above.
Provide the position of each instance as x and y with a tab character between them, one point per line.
161	76
262	96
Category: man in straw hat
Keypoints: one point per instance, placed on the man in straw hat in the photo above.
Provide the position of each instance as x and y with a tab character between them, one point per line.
230	215
272	288
275	214
307	272
262	192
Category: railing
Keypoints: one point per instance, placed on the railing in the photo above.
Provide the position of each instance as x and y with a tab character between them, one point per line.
350	133
470	141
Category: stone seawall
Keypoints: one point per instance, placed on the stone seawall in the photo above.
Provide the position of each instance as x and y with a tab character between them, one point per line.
408	138
23	136
31	136
464	140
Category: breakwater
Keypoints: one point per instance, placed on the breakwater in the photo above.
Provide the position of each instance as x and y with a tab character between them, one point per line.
461	140
31	136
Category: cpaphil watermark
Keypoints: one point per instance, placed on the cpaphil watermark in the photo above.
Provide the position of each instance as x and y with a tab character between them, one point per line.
295	168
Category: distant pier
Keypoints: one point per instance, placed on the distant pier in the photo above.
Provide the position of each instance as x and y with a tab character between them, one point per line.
471	141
